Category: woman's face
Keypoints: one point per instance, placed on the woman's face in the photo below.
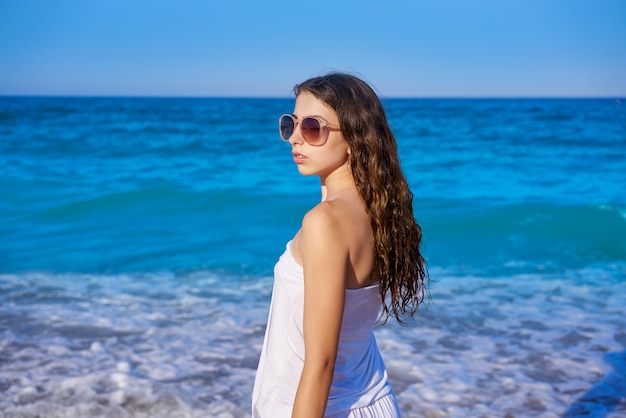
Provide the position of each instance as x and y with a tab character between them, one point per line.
322	160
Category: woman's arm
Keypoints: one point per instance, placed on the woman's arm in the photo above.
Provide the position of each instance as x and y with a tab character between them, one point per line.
325	260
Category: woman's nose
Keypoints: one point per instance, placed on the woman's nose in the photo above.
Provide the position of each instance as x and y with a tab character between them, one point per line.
296	136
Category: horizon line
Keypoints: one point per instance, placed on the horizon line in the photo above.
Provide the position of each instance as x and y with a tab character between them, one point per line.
269	97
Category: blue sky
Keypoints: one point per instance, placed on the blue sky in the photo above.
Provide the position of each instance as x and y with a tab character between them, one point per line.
405	48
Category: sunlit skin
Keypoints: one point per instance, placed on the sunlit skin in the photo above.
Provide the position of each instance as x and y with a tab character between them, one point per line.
328	161
335	248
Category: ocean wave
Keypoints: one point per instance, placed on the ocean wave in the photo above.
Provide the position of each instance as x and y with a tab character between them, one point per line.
486	237
83	345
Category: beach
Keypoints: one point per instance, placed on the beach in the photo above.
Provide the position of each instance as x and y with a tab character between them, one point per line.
139	238
480	349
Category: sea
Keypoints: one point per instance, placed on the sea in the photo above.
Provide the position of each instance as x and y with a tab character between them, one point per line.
138	238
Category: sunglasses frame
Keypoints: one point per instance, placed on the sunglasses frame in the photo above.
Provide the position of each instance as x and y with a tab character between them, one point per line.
324	126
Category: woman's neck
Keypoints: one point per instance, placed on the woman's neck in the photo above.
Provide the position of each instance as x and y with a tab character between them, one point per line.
337	184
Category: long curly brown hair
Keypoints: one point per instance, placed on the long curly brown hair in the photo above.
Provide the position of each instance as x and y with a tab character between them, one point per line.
381	183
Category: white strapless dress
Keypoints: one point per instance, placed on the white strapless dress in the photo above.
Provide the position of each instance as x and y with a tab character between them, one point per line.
359	388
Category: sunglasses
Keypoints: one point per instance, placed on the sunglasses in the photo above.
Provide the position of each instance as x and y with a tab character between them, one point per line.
312	129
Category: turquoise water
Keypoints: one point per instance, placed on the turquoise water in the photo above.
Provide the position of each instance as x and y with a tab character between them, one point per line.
133	226
136	185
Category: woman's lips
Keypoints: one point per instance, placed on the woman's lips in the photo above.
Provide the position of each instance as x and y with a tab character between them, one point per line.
298	158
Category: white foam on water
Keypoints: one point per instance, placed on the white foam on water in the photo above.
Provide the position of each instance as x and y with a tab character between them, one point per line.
520	346
187	346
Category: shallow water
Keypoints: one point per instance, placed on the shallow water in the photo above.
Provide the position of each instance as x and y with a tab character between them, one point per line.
186	346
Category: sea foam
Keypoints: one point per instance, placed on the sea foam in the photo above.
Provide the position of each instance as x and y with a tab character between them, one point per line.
527	345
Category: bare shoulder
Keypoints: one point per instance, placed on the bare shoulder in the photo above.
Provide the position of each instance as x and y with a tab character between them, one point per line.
320	229
323	249
337	233
325	217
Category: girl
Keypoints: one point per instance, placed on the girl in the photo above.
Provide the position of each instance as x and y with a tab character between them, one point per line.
356	252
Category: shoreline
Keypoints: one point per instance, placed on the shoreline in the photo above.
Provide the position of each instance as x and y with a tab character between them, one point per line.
486	347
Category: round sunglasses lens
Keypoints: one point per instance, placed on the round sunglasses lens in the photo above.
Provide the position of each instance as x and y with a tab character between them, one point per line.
311	130
286	127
